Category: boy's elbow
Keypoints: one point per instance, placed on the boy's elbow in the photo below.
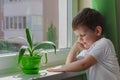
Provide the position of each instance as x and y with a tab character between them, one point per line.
85	66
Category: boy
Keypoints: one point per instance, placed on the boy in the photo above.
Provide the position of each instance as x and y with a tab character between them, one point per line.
97	55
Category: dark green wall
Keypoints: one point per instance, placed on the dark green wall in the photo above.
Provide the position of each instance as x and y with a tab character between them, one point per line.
108	8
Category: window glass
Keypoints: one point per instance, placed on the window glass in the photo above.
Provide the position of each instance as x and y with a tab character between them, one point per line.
47	20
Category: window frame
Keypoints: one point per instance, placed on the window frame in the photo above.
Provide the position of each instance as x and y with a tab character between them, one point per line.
8	62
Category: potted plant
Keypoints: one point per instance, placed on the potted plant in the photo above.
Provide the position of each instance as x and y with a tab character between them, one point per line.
30	62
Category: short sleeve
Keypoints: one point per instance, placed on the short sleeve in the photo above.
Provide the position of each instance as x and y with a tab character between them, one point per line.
99	50
81	54
98	53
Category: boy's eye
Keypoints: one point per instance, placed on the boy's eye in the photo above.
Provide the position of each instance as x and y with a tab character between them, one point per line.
82	35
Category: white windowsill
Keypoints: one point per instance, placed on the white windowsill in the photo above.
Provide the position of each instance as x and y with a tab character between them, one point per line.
8	62
42	76
9	69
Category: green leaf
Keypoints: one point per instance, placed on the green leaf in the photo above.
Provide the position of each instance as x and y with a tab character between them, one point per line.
29	39
21	53
45	45
30	51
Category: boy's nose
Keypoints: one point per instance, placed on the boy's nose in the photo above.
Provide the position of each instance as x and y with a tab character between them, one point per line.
80	40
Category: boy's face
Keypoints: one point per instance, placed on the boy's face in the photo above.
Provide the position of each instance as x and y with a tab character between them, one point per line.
86	37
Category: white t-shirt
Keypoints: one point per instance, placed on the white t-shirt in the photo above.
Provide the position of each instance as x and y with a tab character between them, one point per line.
107	67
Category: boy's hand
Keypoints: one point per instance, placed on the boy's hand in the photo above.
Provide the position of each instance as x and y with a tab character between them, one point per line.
55	69
52	70
77	46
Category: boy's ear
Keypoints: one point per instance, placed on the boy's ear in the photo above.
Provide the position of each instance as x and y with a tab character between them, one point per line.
98	30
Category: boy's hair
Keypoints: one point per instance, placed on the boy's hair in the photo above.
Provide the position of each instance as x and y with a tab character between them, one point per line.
88	17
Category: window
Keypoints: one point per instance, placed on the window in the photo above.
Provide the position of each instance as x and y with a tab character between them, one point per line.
20	22
24	22
42	17
47	20
14	22
6	23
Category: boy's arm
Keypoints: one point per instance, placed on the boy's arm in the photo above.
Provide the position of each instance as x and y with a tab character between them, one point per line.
78	65
73	52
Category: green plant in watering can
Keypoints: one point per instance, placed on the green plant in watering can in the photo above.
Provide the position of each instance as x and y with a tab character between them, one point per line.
30	56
